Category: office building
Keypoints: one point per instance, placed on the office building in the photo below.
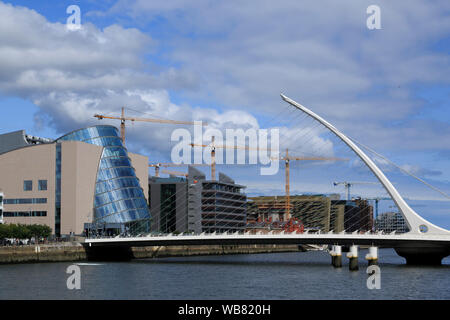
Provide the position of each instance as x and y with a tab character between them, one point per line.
358	215
195	204
168	204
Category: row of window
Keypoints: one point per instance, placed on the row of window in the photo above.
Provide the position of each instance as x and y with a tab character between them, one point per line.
108	174
91	132
118	183
25	213
107	197
127	216
112	162
121	206
25	201
28	185
114	151
105	141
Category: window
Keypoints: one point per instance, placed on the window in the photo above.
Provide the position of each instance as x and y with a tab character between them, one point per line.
25	214
42	185
25	200
27	185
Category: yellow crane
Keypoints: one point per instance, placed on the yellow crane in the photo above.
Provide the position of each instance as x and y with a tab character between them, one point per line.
157	166
287	159
122	119
213	147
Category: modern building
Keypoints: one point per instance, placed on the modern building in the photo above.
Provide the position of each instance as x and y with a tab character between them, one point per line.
391	221
195	204
86	178
358	215
168	203
1	207
337	216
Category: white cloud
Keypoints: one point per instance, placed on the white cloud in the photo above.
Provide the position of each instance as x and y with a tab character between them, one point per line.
322	54
71	75
238	55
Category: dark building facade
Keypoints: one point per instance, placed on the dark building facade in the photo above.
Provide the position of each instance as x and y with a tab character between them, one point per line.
358	214
168	203
194	204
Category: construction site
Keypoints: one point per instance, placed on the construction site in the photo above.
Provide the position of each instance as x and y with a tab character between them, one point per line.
115	194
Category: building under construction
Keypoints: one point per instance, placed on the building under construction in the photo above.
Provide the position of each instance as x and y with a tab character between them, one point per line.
312	210
391	221
316	212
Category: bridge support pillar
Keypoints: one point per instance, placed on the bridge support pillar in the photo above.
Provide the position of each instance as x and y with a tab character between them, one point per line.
336	256
423	255
352	255
372	256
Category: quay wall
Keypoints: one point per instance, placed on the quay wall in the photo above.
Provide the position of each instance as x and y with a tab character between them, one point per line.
76	252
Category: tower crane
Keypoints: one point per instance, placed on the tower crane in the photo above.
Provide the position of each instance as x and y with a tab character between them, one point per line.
347	185
213	147
122	119
157	166
377	199
287	158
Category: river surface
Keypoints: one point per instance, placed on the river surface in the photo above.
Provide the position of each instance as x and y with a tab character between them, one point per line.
294	275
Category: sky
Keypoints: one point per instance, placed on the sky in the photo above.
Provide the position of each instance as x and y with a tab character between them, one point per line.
226	62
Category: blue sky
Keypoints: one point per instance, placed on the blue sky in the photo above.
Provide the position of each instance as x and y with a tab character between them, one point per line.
226	63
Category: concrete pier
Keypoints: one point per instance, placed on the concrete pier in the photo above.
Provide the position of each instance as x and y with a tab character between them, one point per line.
372	256
336	256
423	255
352	255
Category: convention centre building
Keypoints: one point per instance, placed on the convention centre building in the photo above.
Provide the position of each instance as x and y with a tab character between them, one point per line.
84	179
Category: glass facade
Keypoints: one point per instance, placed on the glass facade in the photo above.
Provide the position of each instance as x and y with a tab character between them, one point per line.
168	212
118	195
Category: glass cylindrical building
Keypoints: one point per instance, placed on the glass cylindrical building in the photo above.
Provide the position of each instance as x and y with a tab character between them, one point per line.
118	196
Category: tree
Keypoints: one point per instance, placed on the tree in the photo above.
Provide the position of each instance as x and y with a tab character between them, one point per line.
21	231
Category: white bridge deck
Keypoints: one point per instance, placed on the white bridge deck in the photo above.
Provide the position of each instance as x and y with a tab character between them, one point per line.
380	240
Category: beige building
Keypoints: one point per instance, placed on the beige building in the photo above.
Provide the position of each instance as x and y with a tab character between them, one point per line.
56	182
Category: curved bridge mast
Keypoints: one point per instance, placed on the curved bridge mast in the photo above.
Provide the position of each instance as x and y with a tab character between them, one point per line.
416	224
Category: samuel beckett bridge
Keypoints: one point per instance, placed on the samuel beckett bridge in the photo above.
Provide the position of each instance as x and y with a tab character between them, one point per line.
424	243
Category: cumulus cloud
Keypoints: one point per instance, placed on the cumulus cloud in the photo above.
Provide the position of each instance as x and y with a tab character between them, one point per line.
321	54
240	56
72	75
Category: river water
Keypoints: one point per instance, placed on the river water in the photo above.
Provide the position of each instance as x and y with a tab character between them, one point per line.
295	275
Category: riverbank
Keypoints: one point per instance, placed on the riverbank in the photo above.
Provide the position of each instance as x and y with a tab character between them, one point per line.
76	252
